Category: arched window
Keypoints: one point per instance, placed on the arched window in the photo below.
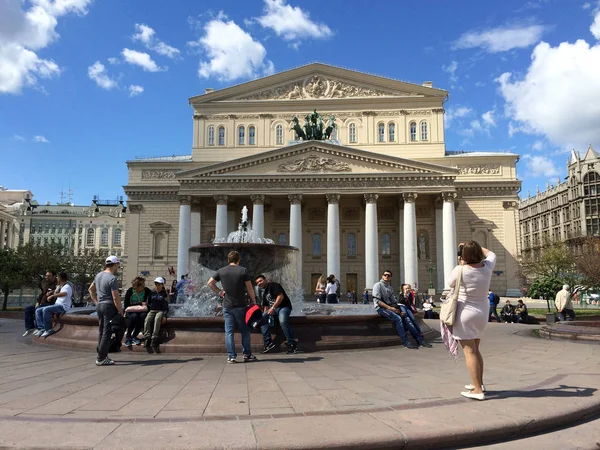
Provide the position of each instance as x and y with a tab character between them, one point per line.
104	237
352	133
380	132
251	136
160	245
89	237
413	131
386	244
351	244
282	239
591	183
211	135
117	237
241	136
221	135
392	132
279	134
316	244
424	131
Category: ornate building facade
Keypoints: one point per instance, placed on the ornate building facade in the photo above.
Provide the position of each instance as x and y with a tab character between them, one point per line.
382	193
564	212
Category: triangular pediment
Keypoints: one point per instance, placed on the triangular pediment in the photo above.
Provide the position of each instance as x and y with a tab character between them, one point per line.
317	157
318	81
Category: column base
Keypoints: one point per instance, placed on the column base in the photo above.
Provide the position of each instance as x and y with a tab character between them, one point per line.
513	293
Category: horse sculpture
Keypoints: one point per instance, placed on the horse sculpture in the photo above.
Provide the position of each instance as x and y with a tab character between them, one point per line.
314	127
298	129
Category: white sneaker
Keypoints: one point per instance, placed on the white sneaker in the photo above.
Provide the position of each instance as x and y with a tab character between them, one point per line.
45	334
38	332
28	332
473	396
470	387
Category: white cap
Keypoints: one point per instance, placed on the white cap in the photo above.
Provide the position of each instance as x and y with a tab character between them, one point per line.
112	260
160	280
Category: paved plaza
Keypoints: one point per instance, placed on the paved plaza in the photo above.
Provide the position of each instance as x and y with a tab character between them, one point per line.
389	398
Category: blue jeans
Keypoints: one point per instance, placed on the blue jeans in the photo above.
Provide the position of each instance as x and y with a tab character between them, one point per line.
401	323
332	298
29	317
43	316
233	316
283	314
411	317
494	312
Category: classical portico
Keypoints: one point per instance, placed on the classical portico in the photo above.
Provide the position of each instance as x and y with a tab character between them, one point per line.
382	194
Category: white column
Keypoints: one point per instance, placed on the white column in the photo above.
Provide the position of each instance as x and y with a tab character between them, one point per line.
9	236
371	241
333	235
183	242
195	228
221	220
439	249
401	276
296	229
411	275
449	235
2	232
258	215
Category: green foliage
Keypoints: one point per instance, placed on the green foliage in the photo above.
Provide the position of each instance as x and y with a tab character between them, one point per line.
38	259
83	268
545	286
12	273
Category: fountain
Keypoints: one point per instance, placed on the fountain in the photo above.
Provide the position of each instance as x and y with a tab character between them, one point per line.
196	325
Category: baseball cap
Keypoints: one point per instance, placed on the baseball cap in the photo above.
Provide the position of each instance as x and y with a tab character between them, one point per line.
160	280
112	260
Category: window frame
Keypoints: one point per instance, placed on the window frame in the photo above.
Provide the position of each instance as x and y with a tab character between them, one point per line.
210	135
424	133
412	135
352	133
221	140
241	134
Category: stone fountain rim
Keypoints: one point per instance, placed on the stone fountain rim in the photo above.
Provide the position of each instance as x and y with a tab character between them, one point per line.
242	245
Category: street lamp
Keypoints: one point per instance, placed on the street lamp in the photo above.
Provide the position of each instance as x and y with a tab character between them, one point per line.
430	269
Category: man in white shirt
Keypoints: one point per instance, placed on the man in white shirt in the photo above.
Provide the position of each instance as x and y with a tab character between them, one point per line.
43	315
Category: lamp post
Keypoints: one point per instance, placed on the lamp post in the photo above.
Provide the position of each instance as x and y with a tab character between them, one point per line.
430	269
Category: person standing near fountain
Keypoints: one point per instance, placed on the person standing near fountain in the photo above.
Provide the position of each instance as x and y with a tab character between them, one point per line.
235	282
331	289
276	303
104	292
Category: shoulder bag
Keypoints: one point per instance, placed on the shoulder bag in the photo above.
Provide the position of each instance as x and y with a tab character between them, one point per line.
448	311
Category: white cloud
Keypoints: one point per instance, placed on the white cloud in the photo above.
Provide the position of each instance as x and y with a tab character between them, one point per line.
547	100
141	59
456	113
540	166
232	53
451	71
41	139
114	61
18	137
147	36
538	145
134	90
501	39
595	27
291	22
488	118
586	5
23	32
97	73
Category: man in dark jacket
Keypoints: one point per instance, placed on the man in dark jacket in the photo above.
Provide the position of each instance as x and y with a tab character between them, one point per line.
159	307
48	289
508	313
276	304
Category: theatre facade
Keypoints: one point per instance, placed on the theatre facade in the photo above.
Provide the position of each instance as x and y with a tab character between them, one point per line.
382	193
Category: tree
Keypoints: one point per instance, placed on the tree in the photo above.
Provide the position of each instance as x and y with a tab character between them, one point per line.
12	273
545	286
38	259
83	268
588	261
554	261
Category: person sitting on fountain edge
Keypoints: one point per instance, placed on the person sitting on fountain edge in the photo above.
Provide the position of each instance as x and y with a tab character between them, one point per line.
387	306
276	303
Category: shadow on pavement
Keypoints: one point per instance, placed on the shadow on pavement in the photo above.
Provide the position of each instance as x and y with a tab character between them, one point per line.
561	391
293	360
155	362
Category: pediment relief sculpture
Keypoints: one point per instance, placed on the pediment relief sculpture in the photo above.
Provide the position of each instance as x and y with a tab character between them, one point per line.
316	86
314	163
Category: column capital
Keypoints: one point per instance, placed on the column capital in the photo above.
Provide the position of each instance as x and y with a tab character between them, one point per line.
333	198
295	199
449	196
258	199
371	198
409	197
185	200
221	199
511	205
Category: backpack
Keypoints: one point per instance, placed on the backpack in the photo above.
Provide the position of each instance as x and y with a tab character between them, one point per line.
496	298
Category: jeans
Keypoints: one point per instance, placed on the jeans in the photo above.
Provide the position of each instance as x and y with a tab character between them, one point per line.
283	314
29	317
494	312
43	316
566	312
428	314
332	298
136	322
509	318
522	317
152	324
106	311
411	317
233	316
401	323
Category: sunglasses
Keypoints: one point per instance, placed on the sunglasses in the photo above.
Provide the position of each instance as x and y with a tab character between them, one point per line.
387	274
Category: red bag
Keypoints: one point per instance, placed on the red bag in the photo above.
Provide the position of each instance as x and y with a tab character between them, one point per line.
254	317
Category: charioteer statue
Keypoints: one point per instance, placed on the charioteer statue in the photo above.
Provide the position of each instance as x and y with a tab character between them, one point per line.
314	128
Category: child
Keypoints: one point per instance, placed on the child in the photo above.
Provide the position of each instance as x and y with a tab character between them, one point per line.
428	308
159	307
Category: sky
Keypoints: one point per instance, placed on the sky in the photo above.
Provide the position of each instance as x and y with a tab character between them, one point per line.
86	85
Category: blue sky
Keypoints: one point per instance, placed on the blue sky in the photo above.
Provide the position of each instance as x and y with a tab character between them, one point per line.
86	85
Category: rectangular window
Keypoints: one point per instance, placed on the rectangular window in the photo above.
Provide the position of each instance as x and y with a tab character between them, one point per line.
252	136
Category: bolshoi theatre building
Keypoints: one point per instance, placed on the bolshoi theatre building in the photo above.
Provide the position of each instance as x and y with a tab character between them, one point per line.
382	193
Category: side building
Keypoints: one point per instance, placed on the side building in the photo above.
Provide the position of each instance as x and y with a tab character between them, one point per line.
564	212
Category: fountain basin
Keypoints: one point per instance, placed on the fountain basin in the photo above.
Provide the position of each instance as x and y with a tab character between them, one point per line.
206	334
577	330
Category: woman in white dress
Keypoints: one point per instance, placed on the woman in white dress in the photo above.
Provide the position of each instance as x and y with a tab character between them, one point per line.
473	309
